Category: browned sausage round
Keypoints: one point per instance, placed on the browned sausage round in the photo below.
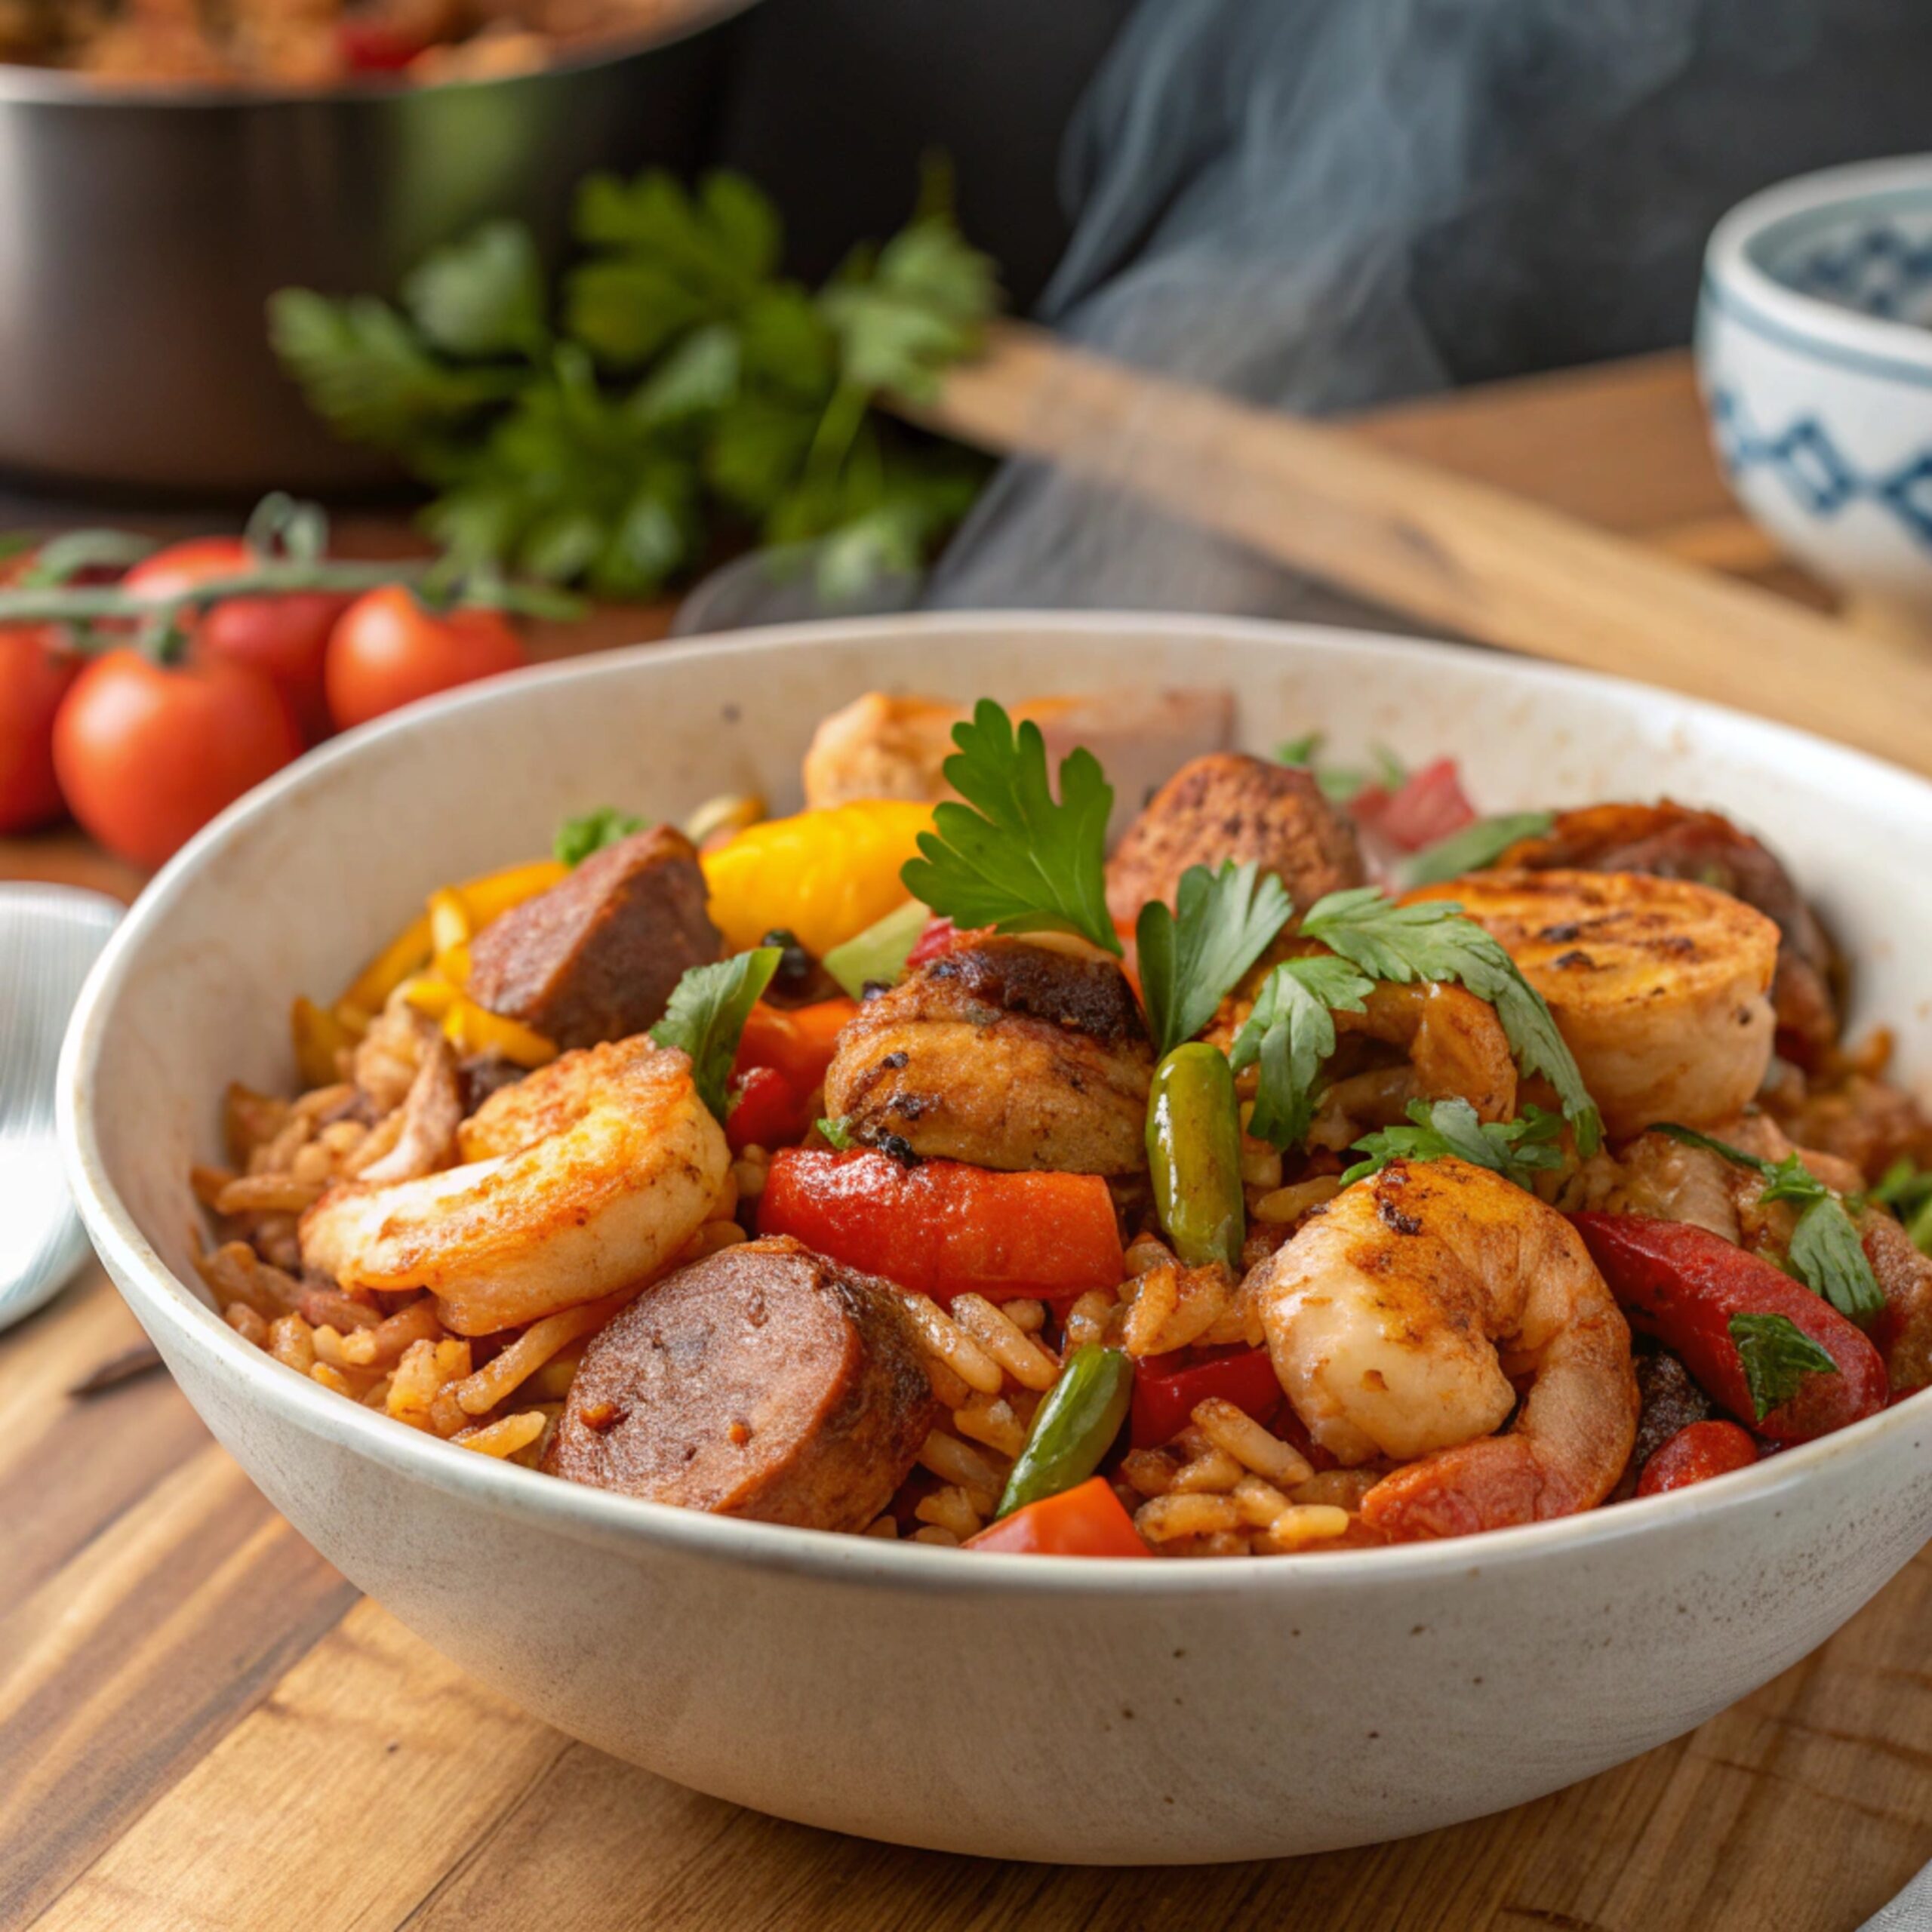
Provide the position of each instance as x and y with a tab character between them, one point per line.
764	1382
1230	806
595	957
1004	1054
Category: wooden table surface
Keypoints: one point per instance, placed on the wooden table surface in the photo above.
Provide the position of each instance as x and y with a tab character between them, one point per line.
202	1725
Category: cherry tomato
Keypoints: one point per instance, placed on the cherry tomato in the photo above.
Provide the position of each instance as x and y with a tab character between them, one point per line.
286	636
35	674
148	753
390	649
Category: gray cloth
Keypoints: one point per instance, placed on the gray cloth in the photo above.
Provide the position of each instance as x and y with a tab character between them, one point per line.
1910	1912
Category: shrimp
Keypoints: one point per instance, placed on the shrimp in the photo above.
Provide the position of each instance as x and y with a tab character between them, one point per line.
1399	1319
591	1173
1452	1043
1661	987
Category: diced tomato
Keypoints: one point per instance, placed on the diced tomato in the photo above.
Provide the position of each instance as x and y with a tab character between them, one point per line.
766	1110
944	1229
1166	1388
798	1042
1087	1520
369	44
1429	805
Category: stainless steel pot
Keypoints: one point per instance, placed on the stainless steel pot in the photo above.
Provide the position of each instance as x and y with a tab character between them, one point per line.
141	230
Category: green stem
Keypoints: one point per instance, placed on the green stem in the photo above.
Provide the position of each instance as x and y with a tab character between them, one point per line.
832	441
92	603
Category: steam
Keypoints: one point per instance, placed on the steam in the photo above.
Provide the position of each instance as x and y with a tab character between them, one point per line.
1317	204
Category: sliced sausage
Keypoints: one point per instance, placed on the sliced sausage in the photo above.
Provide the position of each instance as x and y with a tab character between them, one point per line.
1003	1053
596	957
1231	806
1673	842
1669	1401
764	1382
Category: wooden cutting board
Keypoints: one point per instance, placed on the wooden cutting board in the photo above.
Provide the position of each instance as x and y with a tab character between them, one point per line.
203	1726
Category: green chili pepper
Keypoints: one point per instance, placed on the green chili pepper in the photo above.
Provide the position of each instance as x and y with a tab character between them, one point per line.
1074	1427
1194	1148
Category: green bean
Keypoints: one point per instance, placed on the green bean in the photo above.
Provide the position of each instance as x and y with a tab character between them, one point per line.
1074	1427
1194	1148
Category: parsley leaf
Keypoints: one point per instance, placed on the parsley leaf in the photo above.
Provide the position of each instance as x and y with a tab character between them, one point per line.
1475	847
1290	1032
1826	1253
591	431
577	838
1906	1189
482	296
708	1010
371	375
1433	941
1776	1355
1010	857
836	1133
1514	1149
1191	958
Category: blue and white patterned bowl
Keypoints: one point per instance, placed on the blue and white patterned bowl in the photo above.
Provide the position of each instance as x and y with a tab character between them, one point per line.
1814	353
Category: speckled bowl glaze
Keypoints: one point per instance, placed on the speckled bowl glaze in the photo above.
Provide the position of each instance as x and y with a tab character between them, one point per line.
1014	1706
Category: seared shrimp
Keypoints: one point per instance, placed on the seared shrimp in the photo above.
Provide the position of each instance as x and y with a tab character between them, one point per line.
591	1173
1397	1320
1454	1047
1660	987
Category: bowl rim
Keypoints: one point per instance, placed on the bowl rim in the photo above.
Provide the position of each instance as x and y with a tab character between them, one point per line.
165	1303
24	85
1735	286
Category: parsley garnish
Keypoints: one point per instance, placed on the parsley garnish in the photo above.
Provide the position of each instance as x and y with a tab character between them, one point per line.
1776	1355
1190	959
1906	1189
836	1133
1432	941
1339	782
577	838
594	429
708	1010
1825	1254
1475	847
1514	1148
1291	1031
1010	857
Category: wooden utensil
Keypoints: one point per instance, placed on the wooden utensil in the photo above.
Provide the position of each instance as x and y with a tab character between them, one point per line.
1451	553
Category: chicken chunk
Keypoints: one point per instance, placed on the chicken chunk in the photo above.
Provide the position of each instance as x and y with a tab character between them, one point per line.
1004	1052
880	746
1231	806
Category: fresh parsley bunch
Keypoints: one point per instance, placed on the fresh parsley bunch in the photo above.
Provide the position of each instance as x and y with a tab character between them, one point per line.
598	432
1517	1149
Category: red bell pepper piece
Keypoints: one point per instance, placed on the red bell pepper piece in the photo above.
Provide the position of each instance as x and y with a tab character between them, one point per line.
766	1110
944	1229
939	936
1683	1284
1429	806
1694	1454
797	1041
1087	1520
1167	1387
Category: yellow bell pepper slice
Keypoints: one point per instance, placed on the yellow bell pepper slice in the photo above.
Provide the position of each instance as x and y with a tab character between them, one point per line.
479	900
823	875
318	1035
474	1029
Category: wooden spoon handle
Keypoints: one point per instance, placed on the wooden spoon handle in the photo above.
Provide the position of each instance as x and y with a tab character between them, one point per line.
1450	552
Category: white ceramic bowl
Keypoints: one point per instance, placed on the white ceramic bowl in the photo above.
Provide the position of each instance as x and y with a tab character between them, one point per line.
1814	353
1024	1707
